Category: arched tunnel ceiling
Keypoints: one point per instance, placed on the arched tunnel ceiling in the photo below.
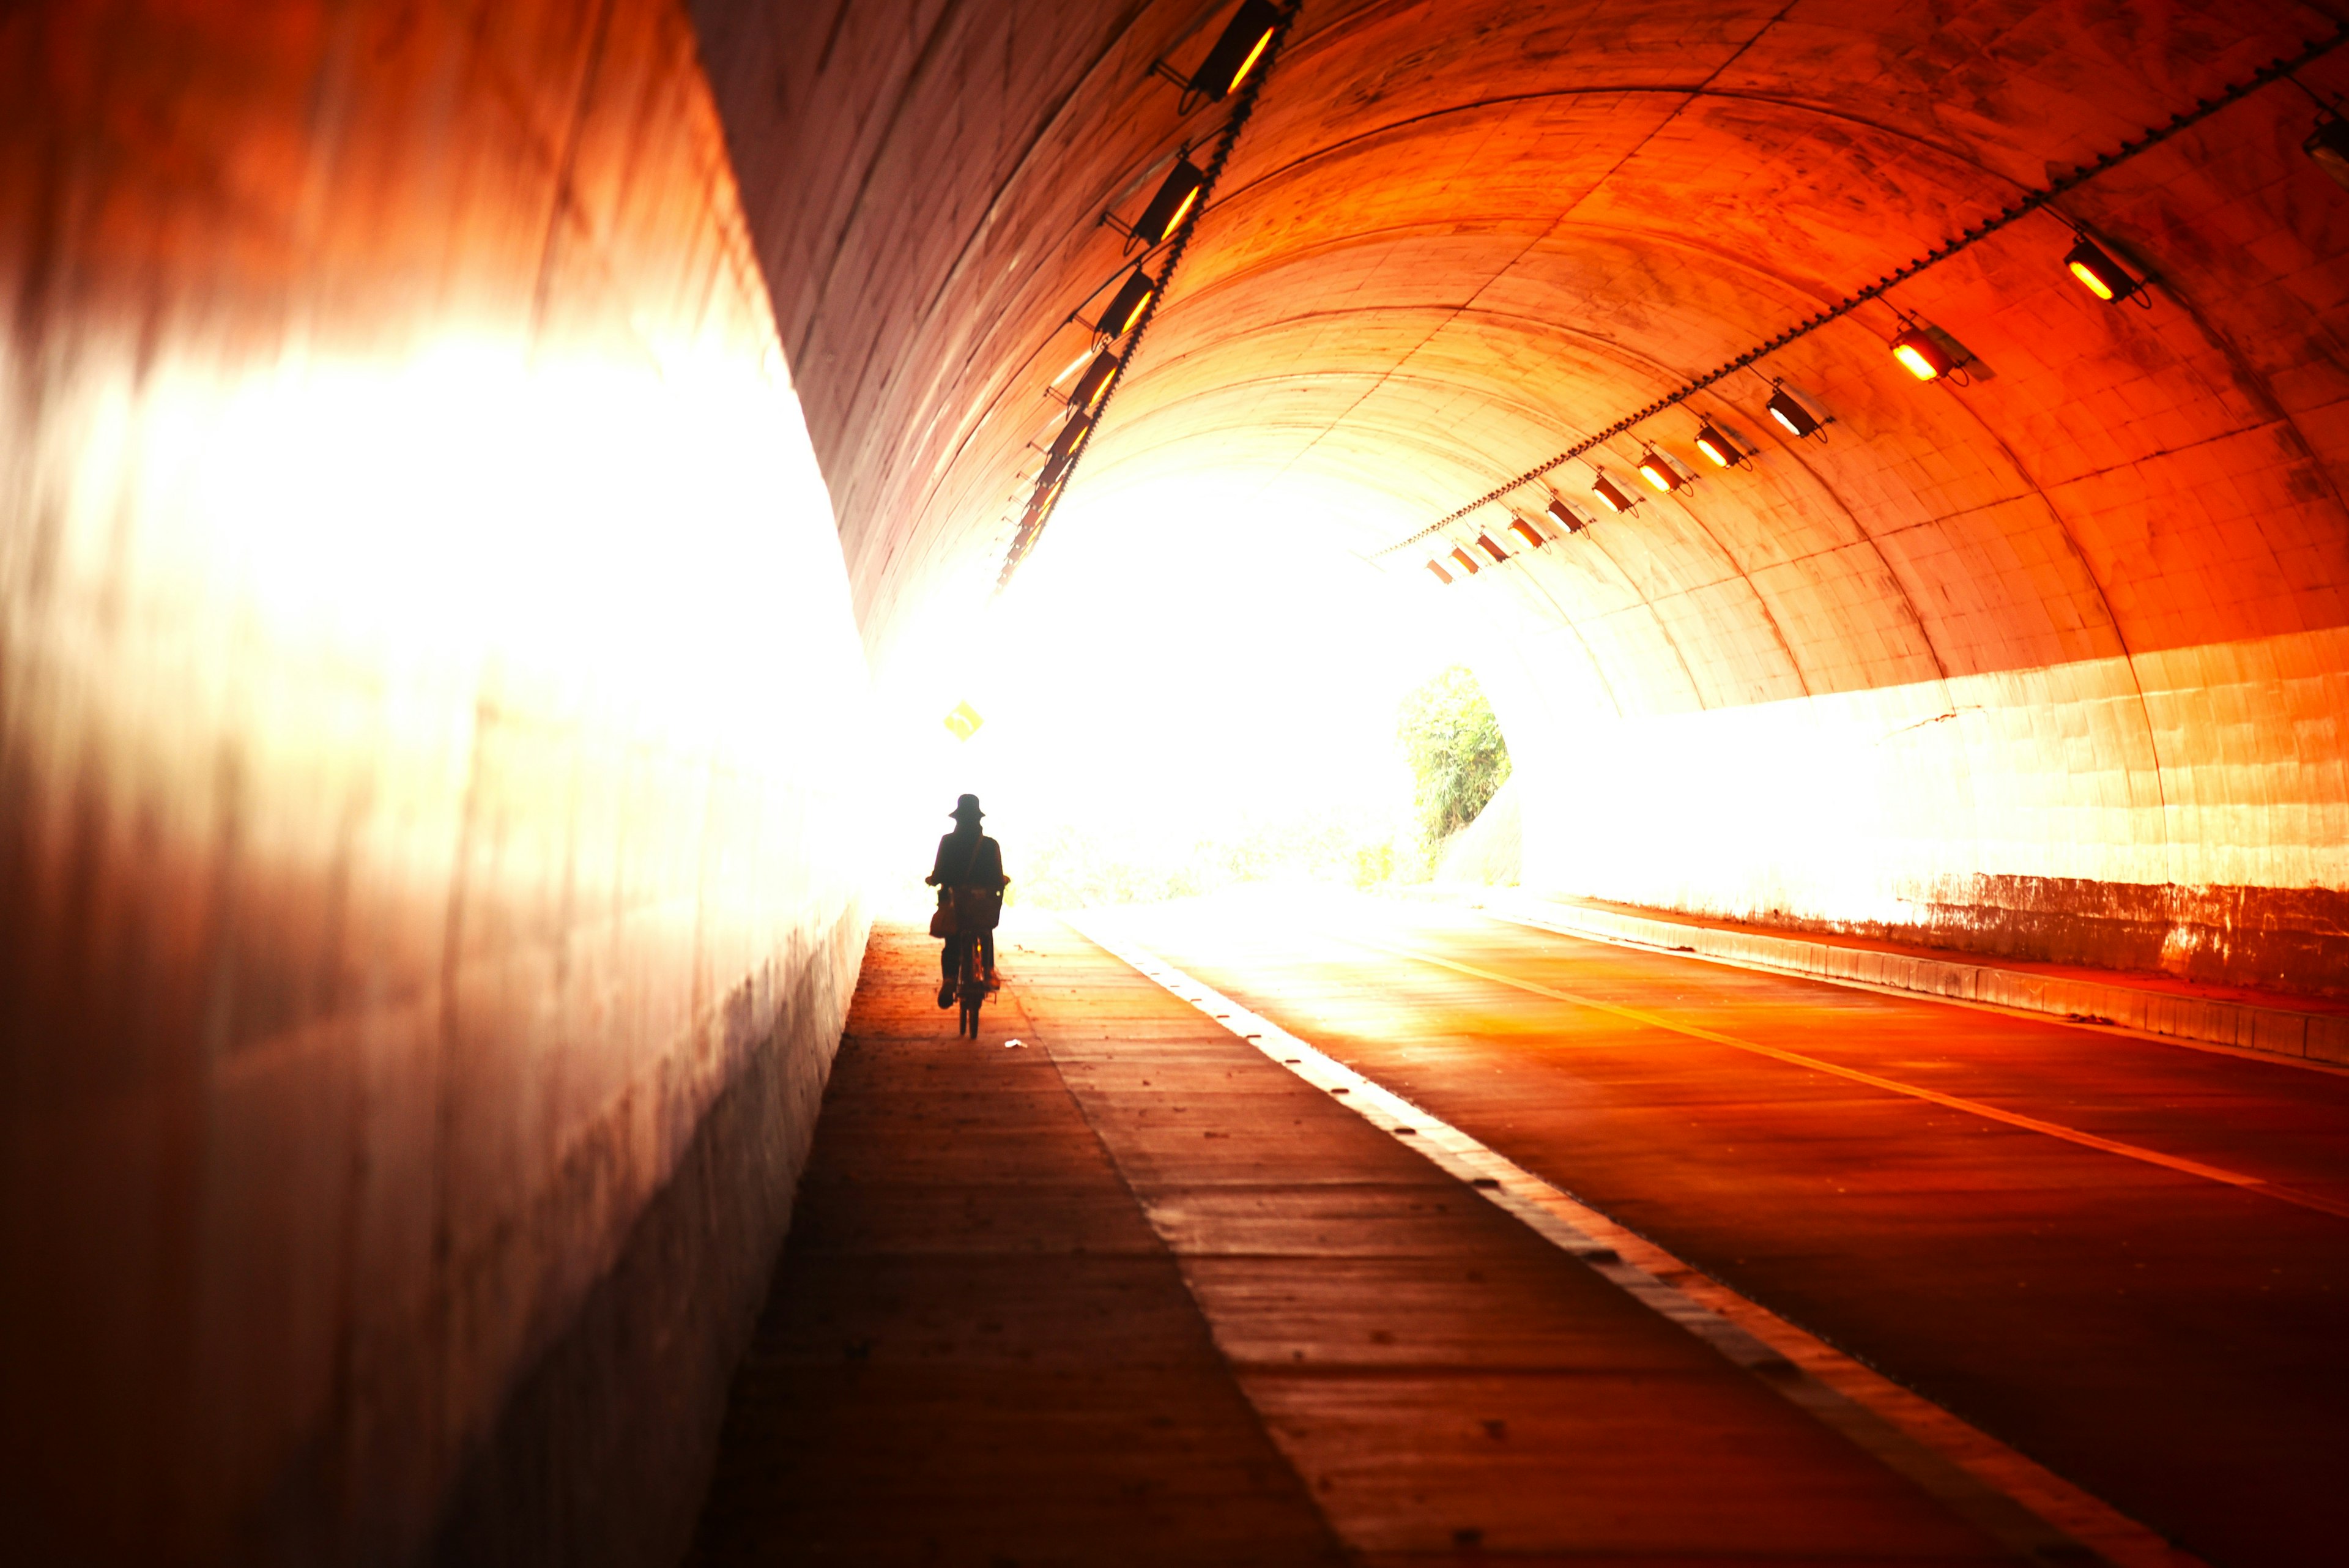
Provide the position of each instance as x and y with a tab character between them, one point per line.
1454	240
2066	637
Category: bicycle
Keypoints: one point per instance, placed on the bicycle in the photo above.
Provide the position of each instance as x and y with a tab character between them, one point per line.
971	982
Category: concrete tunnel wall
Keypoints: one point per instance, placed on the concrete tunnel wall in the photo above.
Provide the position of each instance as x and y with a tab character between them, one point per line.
430	671
428	897
2052	665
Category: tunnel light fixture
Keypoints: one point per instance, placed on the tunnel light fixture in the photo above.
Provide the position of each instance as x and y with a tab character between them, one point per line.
1920	356
1534	537
1468	561
1612	496
1244	41
1126	304
2328	147
1063	452
1718	449
2098	273
1565	516
1071	434
1658	470
1796	420
1484	543
1093	382
1176	195
1441	575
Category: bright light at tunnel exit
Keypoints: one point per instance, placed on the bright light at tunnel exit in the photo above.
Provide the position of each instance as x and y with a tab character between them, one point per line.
1139	690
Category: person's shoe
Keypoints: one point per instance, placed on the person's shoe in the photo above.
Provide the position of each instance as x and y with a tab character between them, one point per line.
945	993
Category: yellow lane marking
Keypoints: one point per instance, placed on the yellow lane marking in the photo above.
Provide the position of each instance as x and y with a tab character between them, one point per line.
1796	1058
2036	1512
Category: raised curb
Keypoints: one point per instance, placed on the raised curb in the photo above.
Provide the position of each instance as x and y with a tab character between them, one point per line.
2310	1036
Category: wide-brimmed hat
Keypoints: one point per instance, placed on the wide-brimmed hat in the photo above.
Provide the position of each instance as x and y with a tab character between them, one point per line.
967	807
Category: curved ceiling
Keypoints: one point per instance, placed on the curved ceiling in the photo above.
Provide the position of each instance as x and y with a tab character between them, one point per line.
1454	241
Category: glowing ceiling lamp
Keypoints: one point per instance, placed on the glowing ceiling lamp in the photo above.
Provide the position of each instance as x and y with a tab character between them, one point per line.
1063	452
1245	40
1611	496
1796	420
1565	516
1465	559
1484	543
1093	382
1534	537
1920	356
1126	305
2098	273
1441	575
1071	434
1718	449
1658	470
1181	188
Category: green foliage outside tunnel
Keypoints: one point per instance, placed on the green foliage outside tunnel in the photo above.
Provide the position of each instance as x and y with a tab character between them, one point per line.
1456	761
1456	752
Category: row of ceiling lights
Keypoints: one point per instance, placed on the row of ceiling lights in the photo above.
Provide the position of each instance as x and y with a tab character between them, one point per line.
1925	352
1237	52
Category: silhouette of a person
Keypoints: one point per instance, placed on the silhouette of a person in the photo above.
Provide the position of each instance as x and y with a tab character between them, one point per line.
968	859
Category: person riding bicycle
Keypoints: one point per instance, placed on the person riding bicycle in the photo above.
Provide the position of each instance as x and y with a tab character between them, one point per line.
969	876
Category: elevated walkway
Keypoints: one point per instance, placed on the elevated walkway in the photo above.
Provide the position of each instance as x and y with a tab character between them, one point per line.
1132	1292
2312	1029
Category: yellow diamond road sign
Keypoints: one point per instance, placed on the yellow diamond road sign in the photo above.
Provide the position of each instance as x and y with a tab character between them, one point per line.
964	720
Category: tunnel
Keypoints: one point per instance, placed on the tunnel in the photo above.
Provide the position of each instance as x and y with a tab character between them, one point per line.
472	478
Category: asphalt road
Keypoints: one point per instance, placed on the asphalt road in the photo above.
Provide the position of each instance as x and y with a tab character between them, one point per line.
2128	1259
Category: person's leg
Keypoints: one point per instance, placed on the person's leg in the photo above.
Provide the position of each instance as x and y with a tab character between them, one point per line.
986	953
946	972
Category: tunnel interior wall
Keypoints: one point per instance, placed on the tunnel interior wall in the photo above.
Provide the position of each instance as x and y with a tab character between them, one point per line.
2049	659
428	692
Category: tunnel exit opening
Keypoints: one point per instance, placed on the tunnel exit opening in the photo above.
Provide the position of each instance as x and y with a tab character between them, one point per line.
1198	683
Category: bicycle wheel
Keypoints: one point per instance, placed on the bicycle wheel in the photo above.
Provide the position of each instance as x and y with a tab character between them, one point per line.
972	986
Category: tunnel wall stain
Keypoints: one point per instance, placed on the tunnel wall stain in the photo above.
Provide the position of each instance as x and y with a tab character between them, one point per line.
428	893
2046	659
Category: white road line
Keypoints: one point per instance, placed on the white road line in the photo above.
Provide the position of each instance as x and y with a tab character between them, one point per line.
2008	1496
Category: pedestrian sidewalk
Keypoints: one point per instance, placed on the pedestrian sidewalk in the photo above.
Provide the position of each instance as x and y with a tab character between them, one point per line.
1131	1291
2313	1029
